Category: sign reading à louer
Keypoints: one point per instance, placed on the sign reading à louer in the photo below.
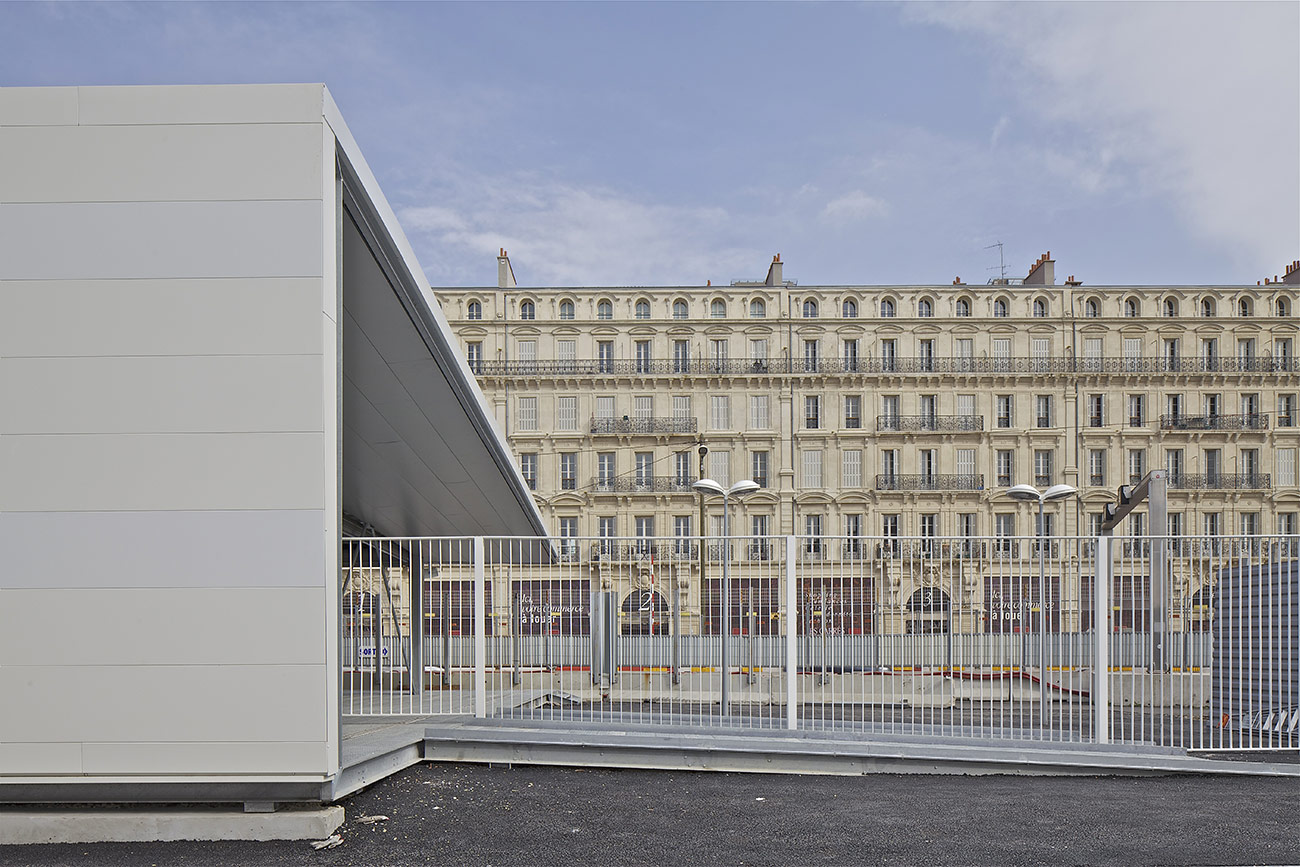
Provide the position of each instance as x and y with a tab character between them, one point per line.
553	606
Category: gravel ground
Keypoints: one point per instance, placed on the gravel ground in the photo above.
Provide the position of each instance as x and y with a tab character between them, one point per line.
448	814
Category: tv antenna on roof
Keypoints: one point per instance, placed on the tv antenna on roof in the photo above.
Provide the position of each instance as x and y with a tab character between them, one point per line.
1002	263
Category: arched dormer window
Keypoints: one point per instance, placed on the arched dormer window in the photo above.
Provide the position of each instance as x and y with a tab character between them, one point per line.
566	309
809	308
850	309
681	310
718	309
527	310
1000	308
642	309
1131	308
757	308
924	308
963	307
1092	308
1171	307
1207	307
1040	308
1244	307
474	311
604	309
887	308
1283	307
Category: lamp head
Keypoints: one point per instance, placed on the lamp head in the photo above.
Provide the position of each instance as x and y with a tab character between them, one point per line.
1024	492
741	488
708	486
1059	492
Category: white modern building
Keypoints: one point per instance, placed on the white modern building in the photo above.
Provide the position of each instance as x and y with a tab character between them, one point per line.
216	350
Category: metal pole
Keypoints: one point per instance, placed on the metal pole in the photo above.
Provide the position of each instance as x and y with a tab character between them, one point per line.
1158	517
791	638
1101	642
416	668
676	627
480	629
726	607
1042	619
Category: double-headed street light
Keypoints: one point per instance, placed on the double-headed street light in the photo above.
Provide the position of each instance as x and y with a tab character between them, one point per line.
736	491
1028	493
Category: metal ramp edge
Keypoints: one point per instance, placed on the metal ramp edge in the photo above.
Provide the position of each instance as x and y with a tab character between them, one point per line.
665	748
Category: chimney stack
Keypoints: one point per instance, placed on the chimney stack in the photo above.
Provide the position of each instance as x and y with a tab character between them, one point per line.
505	274
1292	275
774	272
1044	271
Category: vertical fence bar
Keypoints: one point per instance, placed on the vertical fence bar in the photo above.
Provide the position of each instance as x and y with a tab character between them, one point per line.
791	638
480	628
1101	642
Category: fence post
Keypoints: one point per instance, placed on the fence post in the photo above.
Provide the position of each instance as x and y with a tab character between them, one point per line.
1101	641
480	629
791	639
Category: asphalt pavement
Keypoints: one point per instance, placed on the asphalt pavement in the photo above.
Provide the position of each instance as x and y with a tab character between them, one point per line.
449	814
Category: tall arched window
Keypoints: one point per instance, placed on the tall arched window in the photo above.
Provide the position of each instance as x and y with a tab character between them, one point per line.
963	307
1171	307
809	309
1131	308
1207	307
718	309
1092	308
1244	307
642	309
1040	308
1283	308
850	309
604	309
566	309
681	310
924	308
887	308
757	308
475	310
528	310
1000	308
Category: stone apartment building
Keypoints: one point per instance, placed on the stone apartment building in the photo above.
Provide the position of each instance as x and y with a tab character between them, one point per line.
879	411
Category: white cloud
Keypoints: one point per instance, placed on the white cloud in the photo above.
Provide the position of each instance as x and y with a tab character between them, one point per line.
855	205
1192	101
560	234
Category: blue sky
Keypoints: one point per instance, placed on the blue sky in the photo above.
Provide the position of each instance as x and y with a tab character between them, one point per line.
664	143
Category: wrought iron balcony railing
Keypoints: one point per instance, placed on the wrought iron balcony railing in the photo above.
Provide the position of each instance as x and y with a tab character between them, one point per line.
1221	481
1258	421
643	484
888	366
941	423
634	551
929	482
644	425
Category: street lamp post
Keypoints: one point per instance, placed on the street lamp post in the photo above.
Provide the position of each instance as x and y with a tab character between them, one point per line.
738	490
1028	493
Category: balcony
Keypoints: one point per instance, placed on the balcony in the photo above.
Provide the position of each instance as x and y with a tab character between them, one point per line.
929	482
940	423
643	485
644	425
889	366
1220	481
1214	422
635	551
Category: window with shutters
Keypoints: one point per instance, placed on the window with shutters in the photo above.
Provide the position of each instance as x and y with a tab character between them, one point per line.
925	354
1043	403
1137	410
681	356
474	355
566	352
965	348
889	412
811	354
889	355
1092	354
758	412
812	412
720	412
889	465
605	406
966	462
720	467
645	463
851	468
1005	461
568	471
526	352
758	467
1005	417
1286	410
566	413
1286	467
928	463
851	355
605	469
605	355
852	411
682	469
682	407
758	354
643	356
528	469
1042	467
966	406
812	469
1001	353
528	413
1042	351
643	406
1137	465
1096	467
1096	410
812	528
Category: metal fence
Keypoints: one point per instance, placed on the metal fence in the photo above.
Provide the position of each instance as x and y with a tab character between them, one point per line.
1189	643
